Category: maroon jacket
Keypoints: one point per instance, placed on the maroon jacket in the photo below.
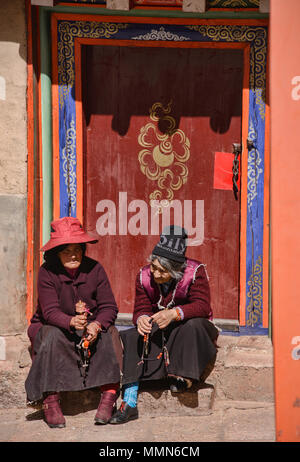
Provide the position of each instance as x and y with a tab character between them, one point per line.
58	293
196	304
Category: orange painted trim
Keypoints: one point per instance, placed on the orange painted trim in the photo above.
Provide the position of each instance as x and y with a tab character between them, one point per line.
159	20
244	184
55	121
159	44
30	168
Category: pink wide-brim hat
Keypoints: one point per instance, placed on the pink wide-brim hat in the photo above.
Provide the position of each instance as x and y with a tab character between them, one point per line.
67	230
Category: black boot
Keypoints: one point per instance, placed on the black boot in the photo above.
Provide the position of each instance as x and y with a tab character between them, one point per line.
124	414
179	384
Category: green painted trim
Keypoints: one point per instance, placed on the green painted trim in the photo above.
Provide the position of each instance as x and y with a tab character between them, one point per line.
159	13
45	56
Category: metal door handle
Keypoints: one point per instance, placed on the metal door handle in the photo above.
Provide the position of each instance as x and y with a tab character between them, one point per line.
237	150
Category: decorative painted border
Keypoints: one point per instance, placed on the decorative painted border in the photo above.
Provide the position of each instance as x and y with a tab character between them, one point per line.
101	2
211	3
233	3
67	31
158	3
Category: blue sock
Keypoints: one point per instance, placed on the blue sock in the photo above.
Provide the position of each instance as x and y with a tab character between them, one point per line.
131	393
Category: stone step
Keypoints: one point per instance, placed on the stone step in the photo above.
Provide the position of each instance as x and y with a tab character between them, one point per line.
156	400
243	371
244	368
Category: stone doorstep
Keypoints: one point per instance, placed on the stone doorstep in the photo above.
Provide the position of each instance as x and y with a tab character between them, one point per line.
258	342
256	352
243	383
154	400
243	371
196	401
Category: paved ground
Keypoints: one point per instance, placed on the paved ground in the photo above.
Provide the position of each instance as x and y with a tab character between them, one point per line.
243	372
228	422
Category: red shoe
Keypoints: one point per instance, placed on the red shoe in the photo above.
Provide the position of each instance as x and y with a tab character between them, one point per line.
106	407
52	411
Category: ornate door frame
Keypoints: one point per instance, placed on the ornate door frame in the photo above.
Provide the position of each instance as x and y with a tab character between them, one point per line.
71	31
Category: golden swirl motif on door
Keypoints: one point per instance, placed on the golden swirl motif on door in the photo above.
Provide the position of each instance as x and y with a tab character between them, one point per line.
164	154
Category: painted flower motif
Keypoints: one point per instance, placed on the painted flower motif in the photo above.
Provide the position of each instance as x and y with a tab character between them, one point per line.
163	156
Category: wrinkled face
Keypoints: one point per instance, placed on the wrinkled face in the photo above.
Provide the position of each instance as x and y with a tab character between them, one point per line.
160	274
71	256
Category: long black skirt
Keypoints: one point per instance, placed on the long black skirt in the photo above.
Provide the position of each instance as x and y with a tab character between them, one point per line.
191	347
56	363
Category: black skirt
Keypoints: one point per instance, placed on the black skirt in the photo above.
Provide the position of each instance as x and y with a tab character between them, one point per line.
190	348
56	364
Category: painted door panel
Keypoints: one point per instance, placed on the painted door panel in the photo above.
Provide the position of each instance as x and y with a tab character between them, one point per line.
153	120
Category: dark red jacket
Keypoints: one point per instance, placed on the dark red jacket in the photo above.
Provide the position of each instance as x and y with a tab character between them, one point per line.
197	303
58	293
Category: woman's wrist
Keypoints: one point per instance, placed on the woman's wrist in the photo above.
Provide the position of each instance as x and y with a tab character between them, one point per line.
142	316
178	313
98	325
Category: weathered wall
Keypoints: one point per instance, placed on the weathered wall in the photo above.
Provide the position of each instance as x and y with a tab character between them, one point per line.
13	166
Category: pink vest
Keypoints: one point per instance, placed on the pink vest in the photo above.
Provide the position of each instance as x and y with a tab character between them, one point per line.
182	287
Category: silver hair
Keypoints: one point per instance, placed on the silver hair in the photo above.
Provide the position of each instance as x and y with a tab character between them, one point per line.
176	269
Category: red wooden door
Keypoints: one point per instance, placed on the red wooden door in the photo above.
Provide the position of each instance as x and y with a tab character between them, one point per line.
153	120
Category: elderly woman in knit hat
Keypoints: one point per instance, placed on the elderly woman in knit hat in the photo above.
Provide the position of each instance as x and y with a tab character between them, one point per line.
174	337
75	345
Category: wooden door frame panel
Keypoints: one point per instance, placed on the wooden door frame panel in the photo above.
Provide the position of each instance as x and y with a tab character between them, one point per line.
243	45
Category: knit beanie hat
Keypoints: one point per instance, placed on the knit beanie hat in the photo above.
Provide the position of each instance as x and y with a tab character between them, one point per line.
172	244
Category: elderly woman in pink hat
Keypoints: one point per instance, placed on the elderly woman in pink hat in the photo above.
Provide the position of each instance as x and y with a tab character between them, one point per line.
75	345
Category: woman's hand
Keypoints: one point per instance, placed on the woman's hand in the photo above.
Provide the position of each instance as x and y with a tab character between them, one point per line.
79	321
164	317
92	331
144	325
80	307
